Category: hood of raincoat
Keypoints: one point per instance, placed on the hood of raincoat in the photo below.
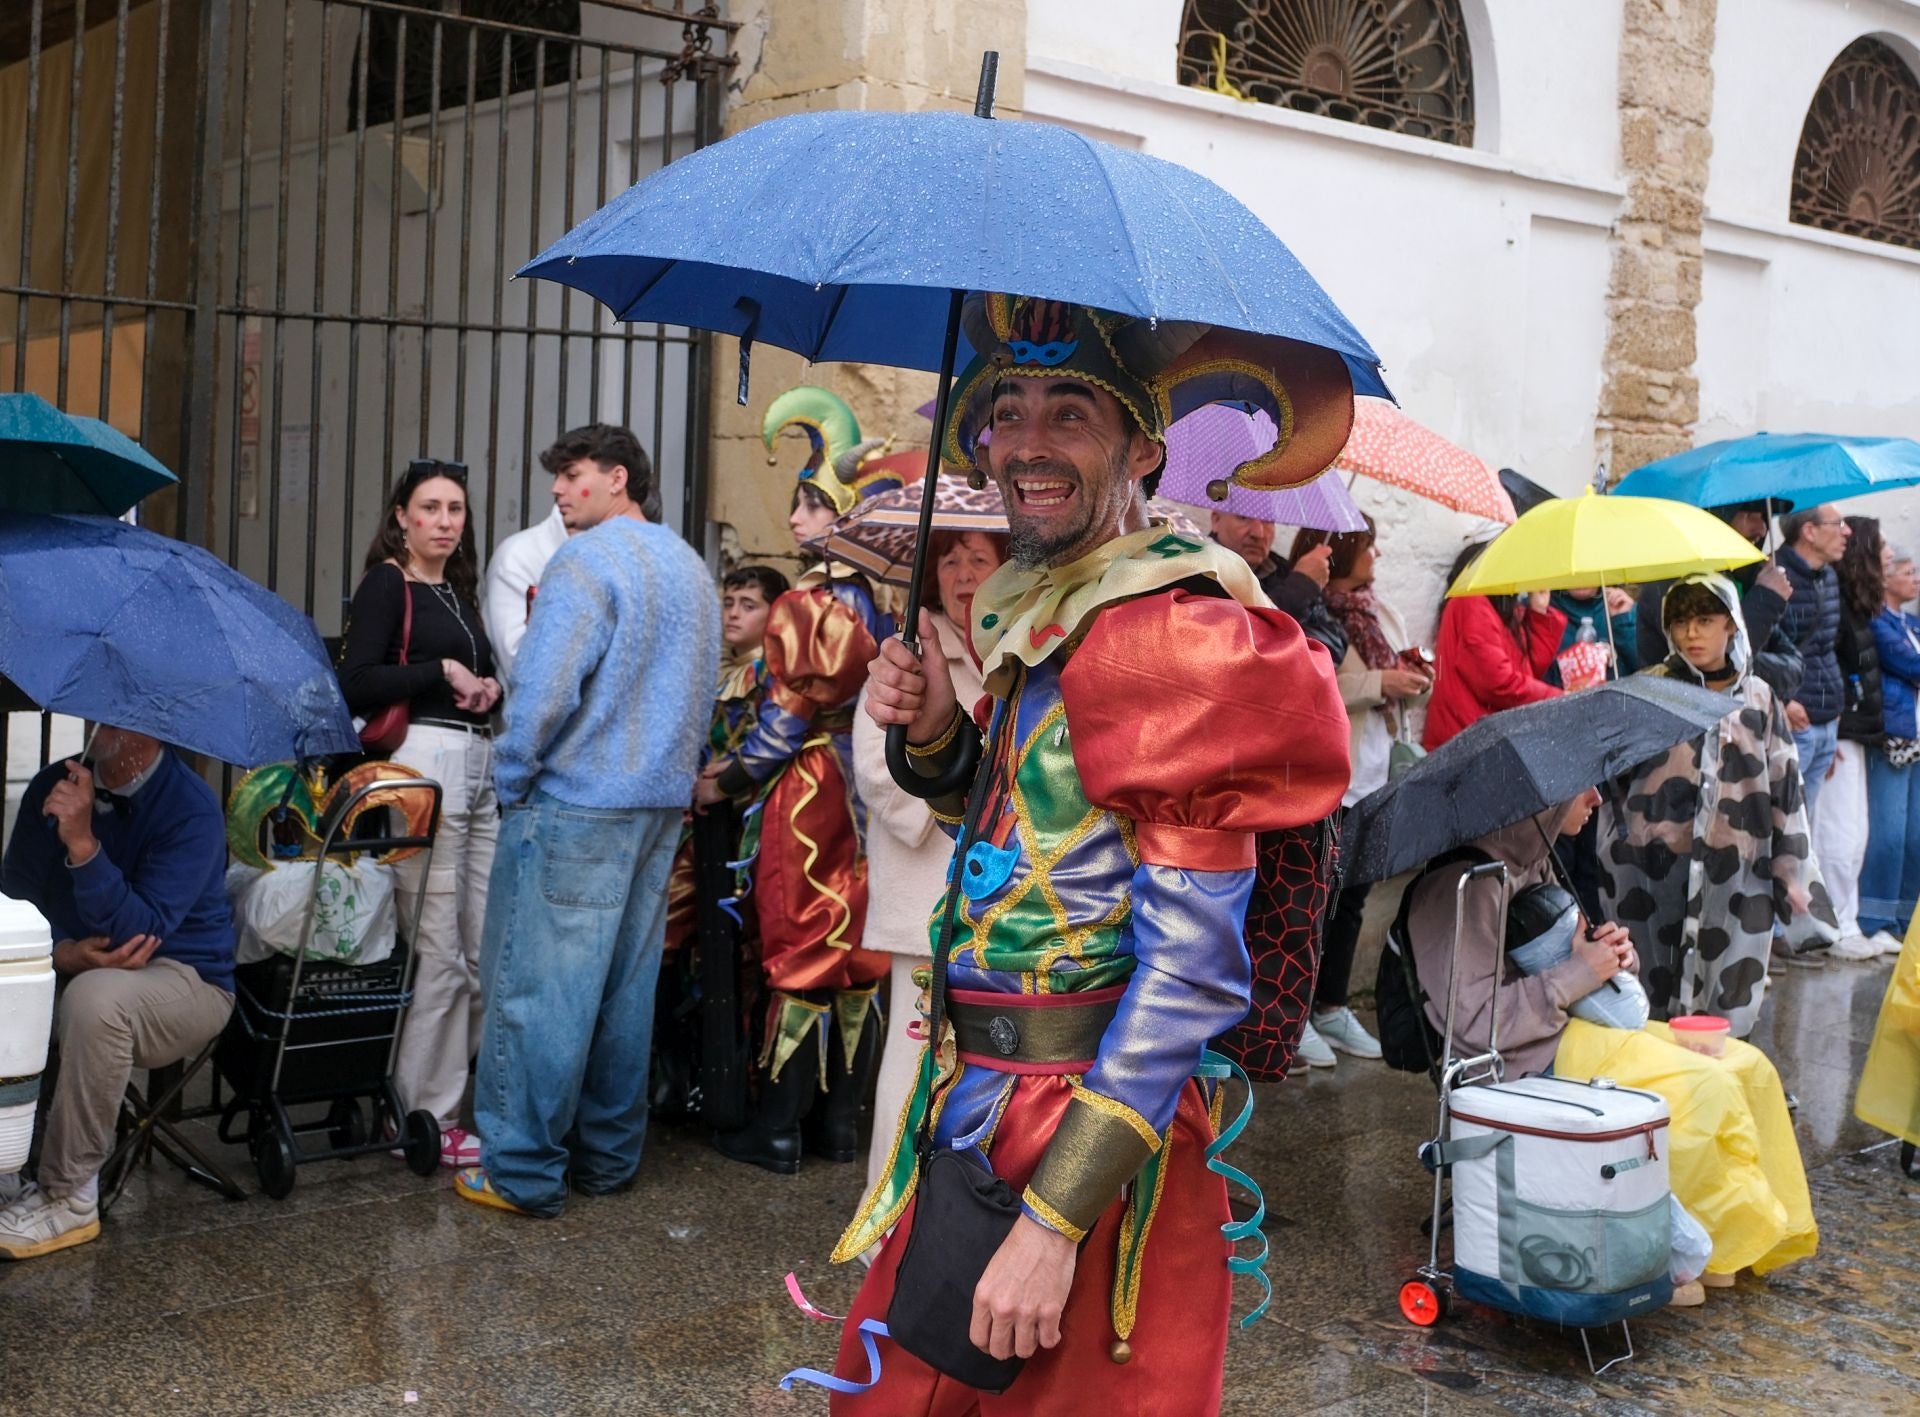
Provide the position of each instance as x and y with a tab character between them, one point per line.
1739	652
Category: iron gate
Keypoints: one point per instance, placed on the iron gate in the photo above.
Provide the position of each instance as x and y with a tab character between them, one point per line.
273	239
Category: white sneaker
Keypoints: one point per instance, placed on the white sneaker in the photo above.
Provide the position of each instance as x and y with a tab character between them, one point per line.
1854	947
1340	1029
36	1224
1313	1050
1886	942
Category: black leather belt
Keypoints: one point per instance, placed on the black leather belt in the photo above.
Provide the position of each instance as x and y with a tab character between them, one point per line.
1031	1033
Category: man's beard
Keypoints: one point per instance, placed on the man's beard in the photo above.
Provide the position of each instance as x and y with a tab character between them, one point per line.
1032	546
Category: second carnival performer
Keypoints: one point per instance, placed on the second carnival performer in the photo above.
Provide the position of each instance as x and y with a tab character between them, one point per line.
1150	713
805	873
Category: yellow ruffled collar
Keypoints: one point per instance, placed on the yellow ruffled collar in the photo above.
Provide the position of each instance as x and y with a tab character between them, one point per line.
1022	616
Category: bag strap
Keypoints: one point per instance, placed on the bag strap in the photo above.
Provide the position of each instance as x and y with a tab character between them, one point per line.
950	914
1397	940
406	614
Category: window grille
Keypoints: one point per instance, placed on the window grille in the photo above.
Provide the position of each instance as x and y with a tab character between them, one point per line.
1858	167
1398	65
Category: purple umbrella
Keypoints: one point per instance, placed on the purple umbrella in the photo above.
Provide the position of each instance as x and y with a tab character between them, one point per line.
1209	443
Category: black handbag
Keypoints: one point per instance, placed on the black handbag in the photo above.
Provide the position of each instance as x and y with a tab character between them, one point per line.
962	1211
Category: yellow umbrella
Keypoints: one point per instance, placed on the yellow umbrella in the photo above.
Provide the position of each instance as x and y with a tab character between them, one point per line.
1599	541
1572	542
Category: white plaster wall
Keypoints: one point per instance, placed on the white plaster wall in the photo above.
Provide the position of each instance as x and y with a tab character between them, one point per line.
1479	276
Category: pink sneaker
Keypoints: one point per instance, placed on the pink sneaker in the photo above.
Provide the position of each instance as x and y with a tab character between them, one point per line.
459	1147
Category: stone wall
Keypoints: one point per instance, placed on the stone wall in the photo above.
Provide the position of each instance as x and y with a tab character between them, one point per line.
801	56
1650	396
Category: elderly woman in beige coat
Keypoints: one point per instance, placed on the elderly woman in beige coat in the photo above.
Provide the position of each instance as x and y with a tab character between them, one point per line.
907	853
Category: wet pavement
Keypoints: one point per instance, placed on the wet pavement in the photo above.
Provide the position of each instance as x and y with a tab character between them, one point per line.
370	1289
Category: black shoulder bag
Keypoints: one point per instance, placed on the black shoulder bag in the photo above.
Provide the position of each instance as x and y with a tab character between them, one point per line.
962	1211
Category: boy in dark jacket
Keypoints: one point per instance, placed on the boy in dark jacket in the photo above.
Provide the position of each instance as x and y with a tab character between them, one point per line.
1814	540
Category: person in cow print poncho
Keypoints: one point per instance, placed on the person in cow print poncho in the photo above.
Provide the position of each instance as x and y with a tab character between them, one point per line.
1705	851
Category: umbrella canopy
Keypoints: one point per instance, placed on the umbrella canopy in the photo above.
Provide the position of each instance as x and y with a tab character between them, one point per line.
1520	761
1598	541
109	622
1796	470
61	462
878	535
739	238
1206	446
1523	491
1390	447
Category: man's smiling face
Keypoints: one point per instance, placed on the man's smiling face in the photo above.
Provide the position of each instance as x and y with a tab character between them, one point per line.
1066	458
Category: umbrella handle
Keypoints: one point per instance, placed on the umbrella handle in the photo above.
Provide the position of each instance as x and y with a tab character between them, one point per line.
956	778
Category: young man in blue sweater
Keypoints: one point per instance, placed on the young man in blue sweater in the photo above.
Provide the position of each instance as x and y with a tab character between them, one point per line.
605	713
127	861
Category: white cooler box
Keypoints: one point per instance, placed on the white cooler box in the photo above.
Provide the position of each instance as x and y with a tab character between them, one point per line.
26	1023
1561	1203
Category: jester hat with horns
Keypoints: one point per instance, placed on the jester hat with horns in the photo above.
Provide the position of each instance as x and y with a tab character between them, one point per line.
842	466
1160	371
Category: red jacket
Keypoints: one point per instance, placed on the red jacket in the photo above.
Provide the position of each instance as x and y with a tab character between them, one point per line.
1482	667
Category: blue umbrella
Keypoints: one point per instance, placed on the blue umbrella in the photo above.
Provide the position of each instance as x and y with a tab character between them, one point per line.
1796	470
841	235
857	235
61	462
109	622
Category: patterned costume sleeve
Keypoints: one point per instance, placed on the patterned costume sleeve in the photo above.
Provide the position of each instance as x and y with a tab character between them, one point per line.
817	653
1203	722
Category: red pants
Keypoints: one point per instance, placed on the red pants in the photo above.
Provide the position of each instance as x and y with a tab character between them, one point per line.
1179	1341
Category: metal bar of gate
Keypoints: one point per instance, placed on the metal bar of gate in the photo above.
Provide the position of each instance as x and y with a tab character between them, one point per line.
316	358
238	393
394	141
433	208
495	458
210	107
351	460
35	26
467	146
78	54
153	215
533	294
112	272
276	441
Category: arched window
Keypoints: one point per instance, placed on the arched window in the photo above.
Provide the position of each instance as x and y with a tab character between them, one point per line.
1400	65
504	62
1858	167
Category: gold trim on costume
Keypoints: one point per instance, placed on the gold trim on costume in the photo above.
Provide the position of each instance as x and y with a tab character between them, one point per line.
1094	1152
1100	1102
938	745
1053	1217
1127	1276
837	938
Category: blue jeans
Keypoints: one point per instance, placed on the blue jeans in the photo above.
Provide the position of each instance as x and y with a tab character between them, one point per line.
1816	745
1890	877
568	963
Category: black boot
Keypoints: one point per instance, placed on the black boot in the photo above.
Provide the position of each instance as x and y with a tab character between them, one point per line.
832	1129
771	1137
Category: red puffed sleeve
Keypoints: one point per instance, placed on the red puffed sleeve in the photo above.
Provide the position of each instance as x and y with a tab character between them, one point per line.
1205	721
817	651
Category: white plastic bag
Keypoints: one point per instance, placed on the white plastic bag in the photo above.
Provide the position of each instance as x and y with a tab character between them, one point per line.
1692	1246
354	923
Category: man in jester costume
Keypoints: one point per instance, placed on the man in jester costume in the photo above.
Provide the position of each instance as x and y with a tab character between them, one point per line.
1148	713
804	868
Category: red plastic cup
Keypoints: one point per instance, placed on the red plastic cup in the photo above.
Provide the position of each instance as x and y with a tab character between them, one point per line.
1703	1033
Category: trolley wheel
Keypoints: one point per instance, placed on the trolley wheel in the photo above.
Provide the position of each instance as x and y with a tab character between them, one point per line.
422	1143
1422	1304
346	1124
1906	1157
273	1159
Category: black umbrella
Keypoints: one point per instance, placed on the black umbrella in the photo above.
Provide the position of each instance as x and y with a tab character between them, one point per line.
1525	492
1520	761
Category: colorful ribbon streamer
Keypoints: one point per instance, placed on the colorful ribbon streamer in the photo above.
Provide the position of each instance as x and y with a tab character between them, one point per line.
1215	1065
870	1330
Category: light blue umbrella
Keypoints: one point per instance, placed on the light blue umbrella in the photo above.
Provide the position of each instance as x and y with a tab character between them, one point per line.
111	622
62	462
1793	470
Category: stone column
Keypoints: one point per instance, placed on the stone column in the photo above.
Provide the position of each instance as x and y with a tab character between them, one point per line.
801	56
1650	397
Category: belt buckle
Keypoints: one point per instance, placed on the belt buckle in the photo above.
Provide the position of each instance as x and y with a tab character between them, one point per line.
1004	1035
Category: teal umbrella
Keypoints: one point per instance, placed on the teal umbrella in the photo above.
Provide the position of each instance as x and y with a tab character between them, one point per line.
61	462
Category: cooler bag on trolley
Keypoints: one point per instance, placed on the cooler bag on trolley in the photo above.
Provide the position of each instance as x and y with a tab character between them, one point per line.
1561	1206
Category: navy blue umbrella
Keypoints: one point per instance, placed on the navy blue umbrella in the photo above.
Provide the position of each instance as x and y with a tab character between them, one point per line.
109	622
61	462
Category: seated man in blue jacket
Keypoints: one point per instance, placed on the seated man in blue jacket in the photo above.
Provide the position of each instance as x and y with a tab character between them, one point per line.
126	857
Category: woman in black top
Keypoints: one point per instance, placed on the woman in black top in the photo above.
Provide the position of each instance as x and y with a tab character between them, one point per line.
423	555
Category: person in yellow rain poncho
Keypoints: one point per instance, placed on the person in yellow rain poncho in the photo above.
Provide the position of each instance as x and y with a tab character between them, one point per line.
1734	1162
1889	1094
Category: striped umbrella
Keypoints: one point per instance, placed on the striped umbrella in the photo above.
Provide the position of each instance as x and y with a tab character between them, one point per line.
1206	446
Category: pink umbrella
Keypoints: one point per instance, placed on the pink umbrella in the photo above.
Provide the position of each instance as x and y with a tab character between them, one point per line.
1206	446
1390	447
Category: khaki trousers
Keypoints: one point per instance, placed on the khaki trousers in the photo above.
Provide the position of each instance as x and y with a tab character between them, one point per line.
442	1029
110	1021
